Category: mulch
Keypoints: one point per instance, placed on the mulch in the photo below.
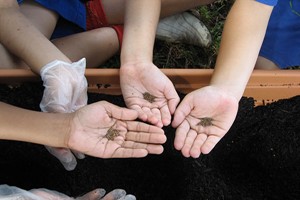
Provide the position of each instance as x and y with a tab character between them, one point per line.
259	159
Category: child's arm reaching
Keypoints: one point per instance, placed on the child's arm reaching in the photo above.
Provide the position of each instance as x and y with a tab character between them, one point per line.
100	129
139	77
205	115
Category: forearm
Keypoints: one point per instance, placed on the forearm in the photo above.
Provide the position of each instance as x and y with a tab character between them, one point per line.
21	38
141	19
242	37
31	126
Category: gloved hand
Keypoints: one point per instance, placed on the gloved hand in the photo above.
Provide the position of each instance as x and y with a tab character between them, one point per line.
65	91
12	192
65	86
116	194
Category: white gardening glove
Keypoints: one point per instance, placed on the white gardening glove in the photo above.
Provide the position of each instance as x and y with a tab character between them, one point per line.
8	192
65	91
65	86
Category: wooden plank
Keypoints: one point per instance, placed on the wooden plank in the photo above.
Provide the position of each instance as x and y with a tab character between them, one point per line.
264	86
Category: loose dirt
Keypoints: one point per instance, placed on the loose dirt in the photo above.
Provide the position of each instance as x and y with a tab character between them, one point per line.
259	159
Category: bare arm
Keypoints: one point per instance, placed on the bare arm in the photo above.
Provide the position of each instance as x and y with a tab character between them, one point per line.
24	40
243	34
31	126
242	37
141	19
100	129
138	74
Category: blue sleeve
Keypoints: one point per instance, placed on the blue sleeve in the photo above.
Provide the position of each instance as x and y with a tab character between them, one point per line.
268	2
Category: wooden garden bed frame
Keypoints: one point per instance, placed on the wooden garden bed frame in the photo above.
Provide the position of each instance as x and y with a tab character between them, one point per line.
265	86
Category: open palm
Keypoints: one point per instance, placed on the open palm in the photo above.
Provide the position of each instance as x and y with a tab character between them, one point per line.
150	92
108	131
202	118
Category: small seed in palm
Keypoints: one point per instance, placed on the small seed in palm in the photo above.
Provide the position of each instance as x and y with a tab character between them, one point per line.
205	121
112	133
149	97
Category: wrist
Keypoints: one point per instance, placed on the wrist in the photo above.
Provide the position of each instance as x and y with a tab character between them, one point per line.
33	126
229	90
136	64
51	66
230	81
135	60
55	132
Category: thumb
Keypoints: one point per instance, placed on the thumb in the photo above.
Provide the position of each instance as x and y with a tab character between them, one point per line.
182	111
93	195
120	112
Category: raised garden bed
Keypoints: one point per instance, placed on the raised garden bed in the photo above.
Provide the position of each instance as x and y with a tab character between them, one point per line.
265	86
259	158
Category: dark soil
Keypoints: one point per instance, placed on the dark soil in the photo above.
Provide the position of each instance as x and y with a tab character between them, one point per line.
258	159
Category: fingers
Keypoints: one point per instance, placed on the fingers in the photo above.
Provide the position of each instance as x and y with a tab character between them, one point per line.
153	115
147	114
57	96
189	143
65	156
128	197
141	114
156	113
157	116
131	149
182	111
93	195
119	112
192	143
130	153
196	144
209	144
78	154
173	100
165	115
133	139
150	138
118	194
44	193
151	148
142	132
181	134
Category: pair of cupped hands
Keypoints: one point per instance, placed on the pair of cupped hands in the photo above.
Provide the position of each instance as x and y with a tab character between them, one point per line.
105	130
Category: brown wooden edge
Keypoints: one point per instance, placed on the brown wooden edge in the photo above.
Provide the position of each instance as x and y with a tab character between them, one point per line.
265	86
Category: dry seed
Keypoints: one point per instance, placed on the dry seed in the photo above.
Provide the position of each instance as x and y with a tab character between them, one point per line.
112	133
149	97
206	121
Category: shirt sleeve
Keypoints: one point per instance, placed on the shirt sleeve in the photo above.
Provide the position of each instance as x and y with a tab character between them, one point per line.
268	2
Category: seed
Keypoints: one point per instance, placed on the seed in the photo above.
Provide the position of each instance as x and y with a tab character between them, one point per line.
112	133
149	97
206	121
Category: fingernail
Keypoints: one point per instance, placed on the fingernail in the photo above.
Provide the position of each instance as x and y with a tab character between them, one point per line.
100	192
118	193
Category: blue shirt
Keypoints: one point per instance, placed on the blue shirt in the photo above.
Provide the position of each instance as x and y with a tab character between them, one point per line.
72	15
268	2
281	44
72	10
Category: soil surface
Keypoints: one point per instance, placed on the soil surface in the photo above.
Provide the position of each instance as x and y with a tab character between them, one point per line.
258	159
